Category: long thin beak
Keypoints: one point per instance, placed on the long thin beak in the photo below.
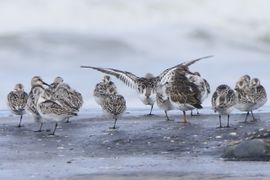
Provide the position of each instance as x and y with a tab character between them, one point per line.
46	84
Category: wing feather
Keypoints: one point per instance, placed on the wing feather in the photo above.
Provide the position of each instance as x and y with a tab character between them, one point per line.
168	73
126	77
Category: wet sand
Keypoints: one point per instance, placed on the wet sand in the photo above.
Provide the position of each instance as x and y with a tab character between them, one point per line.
143	147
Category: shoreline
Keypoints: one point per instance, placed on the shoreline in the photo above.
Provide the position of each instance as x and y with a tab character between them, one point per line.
142	147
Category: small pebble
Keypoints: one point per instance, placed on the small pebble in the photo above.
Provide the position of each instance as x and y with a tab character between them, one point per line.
233	133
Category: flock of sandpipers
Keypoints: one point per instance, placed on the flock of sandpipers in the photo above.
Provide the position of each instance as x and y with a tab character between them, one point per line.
175	88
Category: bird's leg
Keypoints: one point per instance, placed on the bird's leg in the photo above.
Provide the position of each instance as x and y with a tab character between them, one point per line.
198	113
151	110
167	117
246	117
67	120
185	117
191	113
114	125
20	122
254	119
228	121
40	127
54	129
220	125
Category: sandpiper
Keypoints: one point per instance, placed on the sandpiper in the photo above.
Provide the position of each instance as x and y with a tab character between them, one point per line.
69	98
31	105
184	95
51	110
144	86
244	101
114	105
202	85
223	101
17	100
106	86
257	94
165	79
163	100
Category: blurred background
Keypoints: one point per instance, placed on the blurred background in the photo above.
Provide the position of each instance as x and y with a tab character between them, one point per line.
53	38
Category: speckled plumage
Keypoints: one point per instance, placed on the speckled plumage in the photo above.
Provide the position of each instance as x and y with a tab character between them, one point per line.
51	110
184	95
223	101
72	98
251	95
17	100
106	95
163	100
243	100
66	96
144	86
31	105
114	105
257	94
106	86
202	85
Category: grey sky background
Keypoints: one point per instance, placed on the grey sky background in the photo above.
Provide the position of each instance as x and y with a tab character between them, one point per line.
53	38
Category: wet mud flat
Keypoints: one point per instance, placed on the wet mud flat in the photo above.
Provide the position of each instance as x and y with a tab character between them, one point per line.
143	147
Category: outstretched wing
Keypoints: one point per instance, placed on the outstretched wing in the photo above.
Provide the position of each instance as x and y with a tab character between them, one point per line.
126	77
168	73
188	63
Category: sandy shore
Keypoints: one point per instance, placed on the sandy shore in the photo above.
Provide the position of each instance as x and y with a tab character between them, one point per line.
142	148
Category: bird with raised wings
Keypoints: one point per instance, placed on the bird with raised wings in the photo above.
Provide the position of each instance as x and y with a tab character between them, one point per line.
183	94
144	86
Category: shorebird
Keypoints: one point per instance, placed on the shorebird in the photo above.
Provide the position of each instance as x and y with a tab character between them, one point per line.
184	95
51	110
69	98
163	100
31	105
244	101
114	105
17	100
202	85
165	80
257	94
144	86
106	86
223	101
58	80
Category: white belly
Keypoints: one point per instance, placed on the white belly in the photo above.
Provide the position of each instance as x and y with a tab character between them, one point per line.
244	106
147	100
183	107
